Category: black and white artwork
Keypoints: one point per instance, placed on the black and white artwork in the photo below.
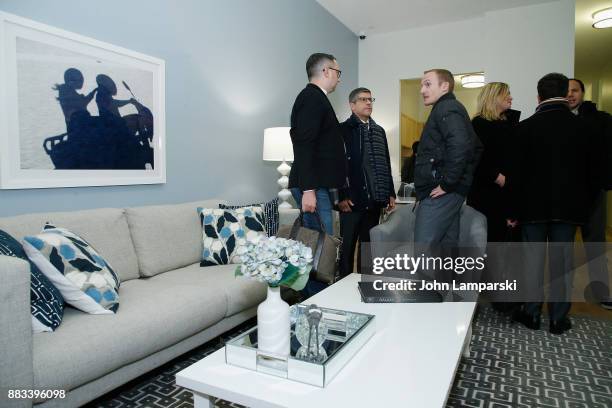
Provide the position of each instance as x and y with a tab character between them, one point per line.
78	112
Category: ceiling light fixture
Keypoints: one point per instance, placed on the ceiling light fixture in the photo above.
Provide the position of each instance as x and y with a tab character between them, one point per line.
473	80
602	18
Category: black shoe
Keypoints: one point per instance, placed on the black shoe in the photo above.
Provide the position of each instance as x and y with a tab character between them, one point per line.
529	321
606	305
560	326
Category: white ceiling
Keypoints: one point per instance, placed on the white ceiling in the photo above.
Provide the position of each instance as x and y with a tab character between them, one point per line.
593	47
382	16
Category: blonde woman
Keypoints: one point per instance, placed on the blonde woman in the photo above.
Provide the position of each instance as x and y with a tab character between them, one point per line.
494	124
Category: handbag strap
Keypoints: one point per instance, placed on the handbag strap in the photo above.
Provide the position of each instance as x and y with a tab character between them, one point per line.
317	255
299	222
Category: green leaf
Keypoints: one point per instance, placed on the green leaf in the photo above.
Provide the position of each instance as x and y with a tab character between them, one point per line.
238	271
289	275
292	278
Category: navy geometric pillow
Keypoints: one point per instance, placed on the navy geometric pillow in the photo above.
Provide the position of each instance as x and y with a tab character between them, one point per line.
270	212
46	302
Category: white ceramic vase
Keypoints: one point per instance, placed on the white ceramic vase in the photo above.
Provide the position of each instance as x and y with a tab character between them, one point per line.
273	328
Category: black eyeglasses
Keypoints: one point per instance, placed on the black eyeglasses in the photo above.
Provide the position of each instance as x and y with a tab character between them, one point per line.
337	71
364	99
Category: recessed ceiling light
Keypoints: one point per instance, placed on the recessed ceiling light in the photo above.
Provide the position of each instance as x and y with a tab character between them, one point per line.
602	18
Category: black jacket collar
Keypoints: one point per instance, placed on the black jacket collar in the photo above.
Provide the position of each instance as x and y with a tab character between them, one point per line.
315	87
353	121
444	97
587	107
552	104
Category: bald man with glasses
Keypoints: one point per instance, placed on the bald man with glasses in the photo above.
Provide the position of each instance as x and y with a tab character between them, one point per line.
319	164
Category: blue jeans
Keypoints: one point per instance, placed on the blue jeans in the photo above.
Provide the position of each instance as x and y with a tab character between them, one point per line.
324	210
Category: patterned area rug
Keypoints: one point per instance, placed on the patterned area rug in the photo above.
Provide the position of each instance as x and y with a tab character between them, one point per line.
509	366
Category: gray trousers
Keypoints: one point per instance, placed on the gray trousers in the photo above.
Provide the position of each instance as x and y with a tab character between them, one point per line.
437	220
594	237
436	231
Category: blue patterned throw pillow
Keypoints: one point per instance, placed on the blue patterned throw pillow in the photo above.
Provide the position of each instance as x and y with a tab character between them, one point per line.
84	278
225	231
270	213
46	302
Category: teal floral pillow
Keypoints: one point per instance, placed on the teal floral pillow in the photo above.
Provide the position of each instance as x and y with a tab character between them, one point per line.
83	277
225	232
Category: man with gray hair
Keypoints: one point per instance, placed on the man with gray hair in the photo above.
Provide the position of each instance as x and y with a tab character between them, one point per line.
370	182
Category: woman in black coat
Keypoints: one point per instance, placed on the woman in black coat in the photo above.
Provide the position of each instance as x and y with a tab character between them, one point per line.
495	124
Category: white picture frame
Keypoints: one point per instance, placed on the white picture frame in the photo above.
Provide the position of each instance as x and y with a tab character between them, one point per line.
56	131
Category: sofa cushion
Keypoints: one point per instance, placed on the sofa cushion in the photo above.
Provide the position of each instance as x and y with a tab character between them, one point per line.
46	302
154	314
241	293
225	232
167	237
270	212
106	229
84	278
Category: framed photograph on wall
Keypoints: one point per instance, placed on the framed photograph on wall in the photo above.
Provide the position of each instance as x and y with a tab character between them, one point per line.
75	111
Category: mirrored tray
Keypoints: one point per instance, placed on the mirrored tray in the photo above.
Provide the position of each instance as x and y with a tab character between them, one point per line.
342	334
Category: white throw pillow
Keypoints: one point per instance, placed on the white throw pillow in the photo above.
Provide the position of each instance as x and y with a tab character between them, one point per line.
83	277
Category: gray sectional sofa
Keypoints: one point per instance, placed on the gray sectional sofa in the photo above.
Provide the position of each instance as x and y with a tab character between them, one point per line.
168	303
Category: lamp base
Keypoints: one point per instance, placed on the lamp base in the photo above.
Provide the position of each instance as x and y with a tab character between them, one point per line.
285	206
284	169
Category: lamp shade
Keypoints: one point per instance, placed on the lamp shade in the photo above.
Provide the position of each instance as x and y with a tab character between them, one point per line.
472	81
277	144
603	18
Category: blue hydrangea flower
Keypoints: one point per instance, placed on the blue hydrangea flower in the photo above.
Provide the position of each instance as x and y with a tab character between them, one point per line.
209	219
240	233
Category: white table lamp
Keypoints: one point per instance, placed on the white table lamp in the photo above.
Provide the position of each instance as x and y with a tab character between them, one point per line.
278	147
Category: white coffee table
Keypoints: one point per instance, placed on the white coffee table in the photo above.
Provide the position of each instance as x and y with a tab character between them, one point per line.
410	361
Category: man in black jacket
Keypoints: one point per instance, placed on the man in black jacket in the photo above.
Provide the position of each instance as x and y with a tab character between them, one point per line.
551	188
594	230
319	164
370	181
448	154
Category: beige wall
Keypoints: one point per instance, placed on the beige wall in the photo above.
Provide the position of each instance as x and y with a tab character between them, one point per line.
468	97
412	110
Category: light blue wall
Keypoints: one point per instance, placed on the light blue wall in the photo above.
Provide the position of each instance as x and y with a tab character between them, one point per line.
233	68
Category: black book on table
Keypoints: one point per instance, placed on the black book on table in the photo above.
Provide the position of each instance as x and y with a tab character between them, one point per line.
371	295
